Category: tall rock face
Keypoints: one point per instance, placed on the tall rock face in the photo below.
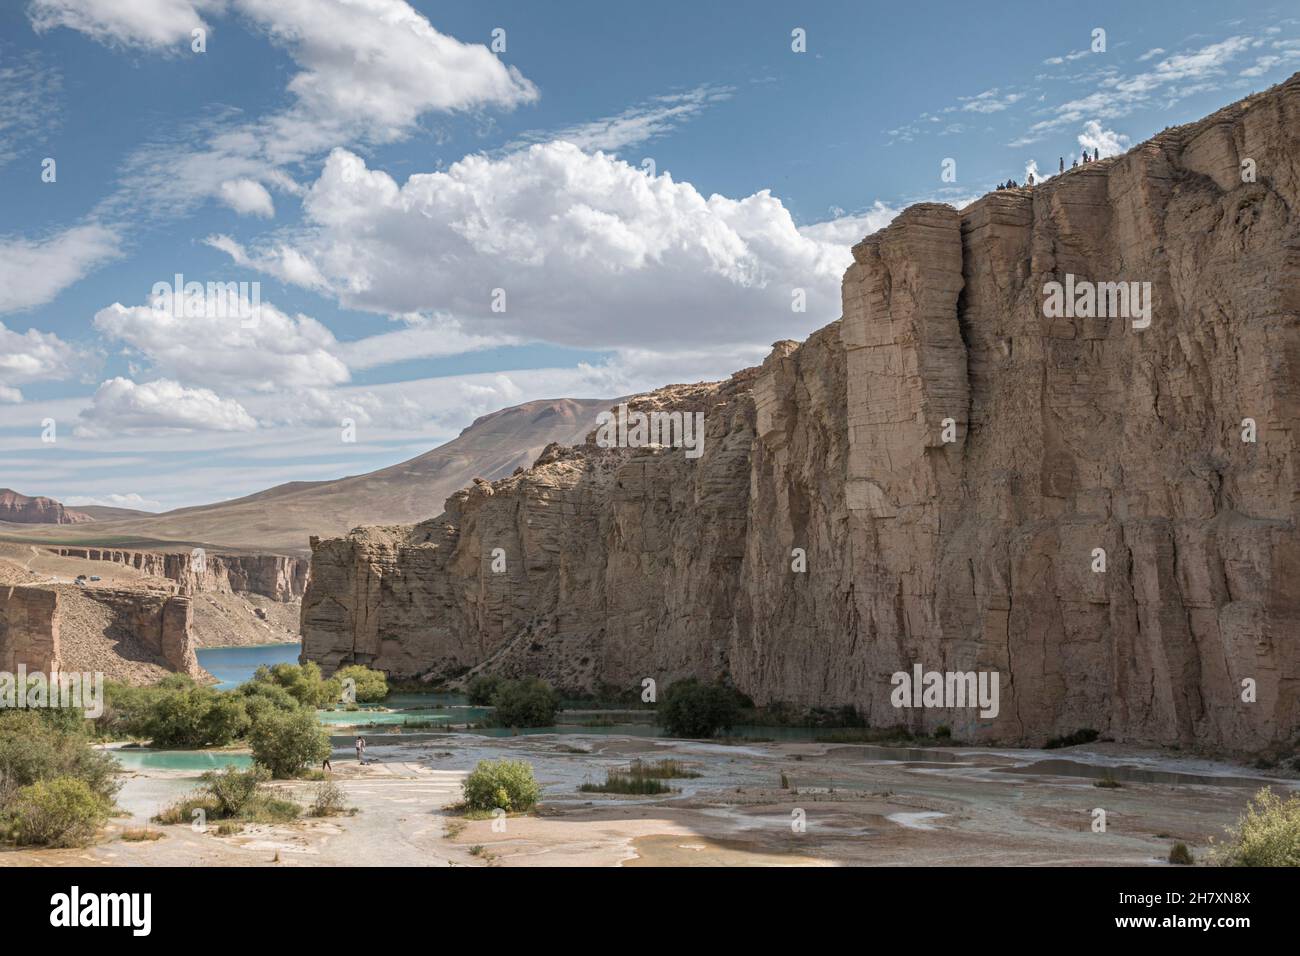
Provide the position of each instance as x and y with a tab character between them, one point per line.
141	626
1101	511
29	629
275	576
20	509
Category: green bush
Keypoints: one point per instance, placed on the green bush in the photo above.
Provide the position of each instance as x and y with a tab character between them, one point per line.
286	744
62	812
481	689
197	717
233	794
232	788
641	777
303	682
260	698
501	784
694	709
1179	855
525	703
372	685
1267	834
37	745
182	811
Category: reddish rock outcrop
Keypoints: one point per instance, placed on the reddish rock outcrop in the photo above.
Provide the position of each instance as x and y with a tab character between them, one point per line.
20	509
953	464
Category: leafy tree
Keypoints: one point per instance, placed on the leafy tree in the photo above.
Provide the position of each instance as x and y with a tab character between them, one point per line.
287	743
259	697
195	717
525	703
482	688
694	709
302	681
371	685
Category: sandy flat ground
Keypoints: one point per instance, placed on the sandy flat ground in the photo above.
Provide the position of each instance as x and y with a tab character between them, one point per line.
857	806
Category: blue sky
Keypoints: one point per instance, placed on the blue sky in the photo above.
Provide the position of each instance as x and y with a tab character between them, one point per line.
645	188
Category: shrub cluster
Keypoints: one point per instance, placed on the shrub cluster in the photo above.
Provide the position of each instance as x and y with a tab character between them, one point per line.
1267	834
691	708
55	788
530	702
501	784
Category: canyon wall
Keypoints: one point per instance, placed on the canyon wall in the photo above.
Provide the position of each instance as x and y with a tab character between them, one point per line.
271	575
29	629
944	477
115	631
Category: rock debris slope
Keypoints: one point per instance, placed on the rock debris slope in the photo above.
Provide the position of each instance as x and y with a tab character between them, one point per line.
1068	435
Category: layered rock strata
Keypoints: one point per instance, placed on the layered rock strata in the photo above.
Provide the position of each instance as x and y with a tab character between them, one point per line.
146	627
274	576
1100	511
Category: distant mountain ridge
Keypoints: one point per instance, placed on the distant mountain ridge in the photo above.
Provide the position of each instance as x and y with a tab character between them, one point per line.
283	518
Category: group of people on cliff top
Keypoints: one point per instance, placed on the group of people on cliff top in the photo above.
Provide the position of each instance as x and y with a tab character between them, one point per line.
1095	157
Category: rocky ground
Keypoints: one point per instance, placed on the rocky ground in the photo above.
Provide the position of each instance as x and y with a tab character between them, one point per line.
860	805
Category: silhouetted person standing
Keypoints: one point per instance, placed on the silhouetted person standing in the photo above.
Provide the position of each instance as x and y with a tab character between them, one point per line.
1062	169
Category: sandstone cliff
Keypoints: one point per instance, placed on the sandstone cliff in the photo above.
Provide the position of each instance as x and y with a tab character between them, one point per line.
20	509
274	576
130	635
950	461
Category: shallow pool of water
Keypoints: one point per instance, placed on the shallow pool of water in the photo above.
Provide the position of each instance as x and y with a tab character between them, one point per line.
379	718
193	761
1124	773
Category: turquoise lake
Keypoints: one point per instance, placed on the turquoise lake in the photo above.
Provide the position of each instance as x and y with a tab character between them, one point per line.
231	666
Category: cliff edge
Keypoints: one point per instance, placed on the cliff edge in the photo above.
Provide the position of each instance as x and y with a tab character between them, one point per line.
1098	506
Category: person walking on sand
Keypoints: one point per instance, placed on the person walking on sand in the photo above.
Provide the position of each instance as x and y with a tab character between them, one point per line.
325	764
361	750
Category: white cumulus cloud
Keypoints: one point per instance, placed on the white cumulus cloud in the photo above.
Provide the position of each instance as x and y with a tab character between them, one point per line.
33	356
587	251
247	197
227	344
151	24
1094	137
123	406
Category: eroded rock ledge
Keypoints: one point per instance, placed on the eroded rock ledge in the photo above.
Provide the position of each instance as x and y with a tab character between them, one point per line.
274	576
118	632
971	554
